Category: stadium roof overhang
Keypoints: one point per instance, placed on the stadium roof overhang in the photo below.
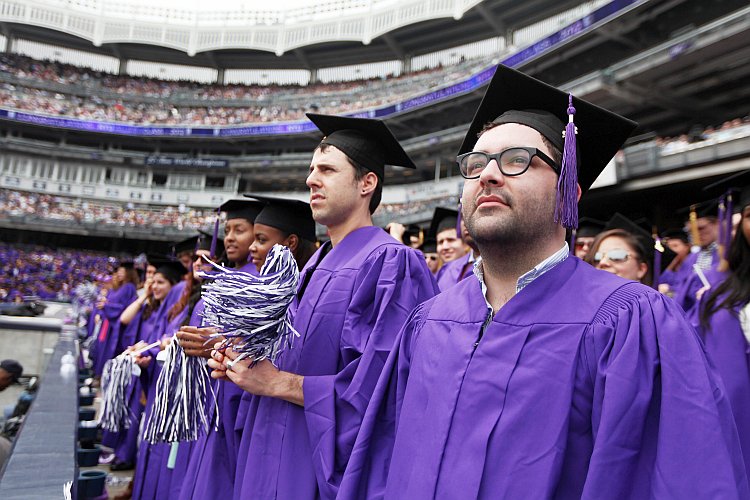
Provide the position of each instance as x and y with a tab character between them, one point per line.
488	19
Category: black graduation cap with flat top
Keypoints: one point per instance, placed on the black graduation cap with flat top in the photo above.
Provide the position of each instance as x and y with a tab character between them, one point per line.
513	97
442	219
170	268
241	209
589	227
186	245
368	142
287	215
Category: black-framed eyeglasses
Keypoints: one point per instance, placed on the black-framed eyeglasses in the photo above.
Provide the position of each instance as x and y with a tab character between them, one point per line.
512	161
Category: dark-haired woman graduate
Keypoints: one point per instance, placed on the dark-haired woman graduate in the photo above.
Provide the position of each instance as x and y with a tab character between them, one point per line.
213	457
125	284
135	322
166	463
724	314
168	285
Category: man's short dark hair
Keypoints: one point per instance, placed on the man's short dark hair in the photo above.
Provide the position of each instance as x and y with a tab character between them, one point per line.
359	172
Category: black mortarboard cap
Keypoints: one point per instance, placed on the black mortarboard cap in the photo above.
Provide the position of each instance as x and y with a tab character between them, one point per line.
442	219
513	97
675	233
241	209
173	270
13	367
368	142
186	245
204	243
288	215
429	245
588	227
127	264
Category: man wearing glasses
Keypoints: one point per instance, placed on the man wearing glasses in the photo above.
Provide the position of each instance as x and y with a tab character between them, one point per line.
542	377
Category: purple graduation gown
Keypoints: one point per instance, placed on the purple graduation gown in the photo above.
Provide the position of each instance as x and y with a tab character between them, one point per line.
148	482
125	442
108	345
584	385
729	351
358	296
454	271
213	458
685	290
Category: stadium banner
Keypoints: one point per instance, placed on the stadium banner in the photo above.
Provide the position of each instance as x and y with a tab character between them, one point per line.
301	127
169	161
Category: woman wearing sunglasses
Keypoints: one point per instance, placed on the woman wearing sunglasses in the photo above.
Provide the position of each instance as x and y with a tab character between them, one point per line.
619	252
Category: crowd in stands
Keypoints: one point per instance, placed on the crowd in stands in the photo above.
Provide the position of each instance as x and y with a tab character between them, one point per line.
46	273
109	97
69	209
699	134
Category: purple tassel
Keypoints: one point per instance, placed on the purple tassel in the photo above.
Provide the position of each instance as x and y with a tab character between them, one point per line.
459	233
566	203
216	234
728	233
658	249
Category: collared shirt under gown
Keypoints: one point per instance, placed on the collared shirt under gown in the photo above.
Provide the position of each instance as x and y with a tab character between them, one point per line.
358	297
583	385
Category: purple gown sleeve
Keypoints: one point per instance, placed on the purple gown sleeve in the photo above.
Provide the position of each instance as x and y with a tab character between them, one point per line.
367	469
123	298
389	286
661	422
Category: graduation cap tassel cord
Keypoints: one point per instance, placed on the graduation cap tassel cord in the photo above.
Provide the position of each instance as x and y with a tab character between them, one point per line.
566	206
215	238
251	311
658	250
723	229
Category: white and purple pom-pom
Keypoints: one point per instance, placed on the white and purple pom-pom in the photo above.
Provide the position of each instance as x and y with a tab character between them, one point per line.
250	310
180	411
117	378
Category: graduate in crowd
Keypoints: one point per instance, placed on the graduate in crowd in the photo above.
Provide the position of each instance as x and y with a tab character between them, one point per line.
619	252
704	227
542	377
461	268
724	324
450	247
354	295
168	463
431	257
584	235
213	458
124	291
139	320
284	222
411	235
677	241
627	250
167	287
